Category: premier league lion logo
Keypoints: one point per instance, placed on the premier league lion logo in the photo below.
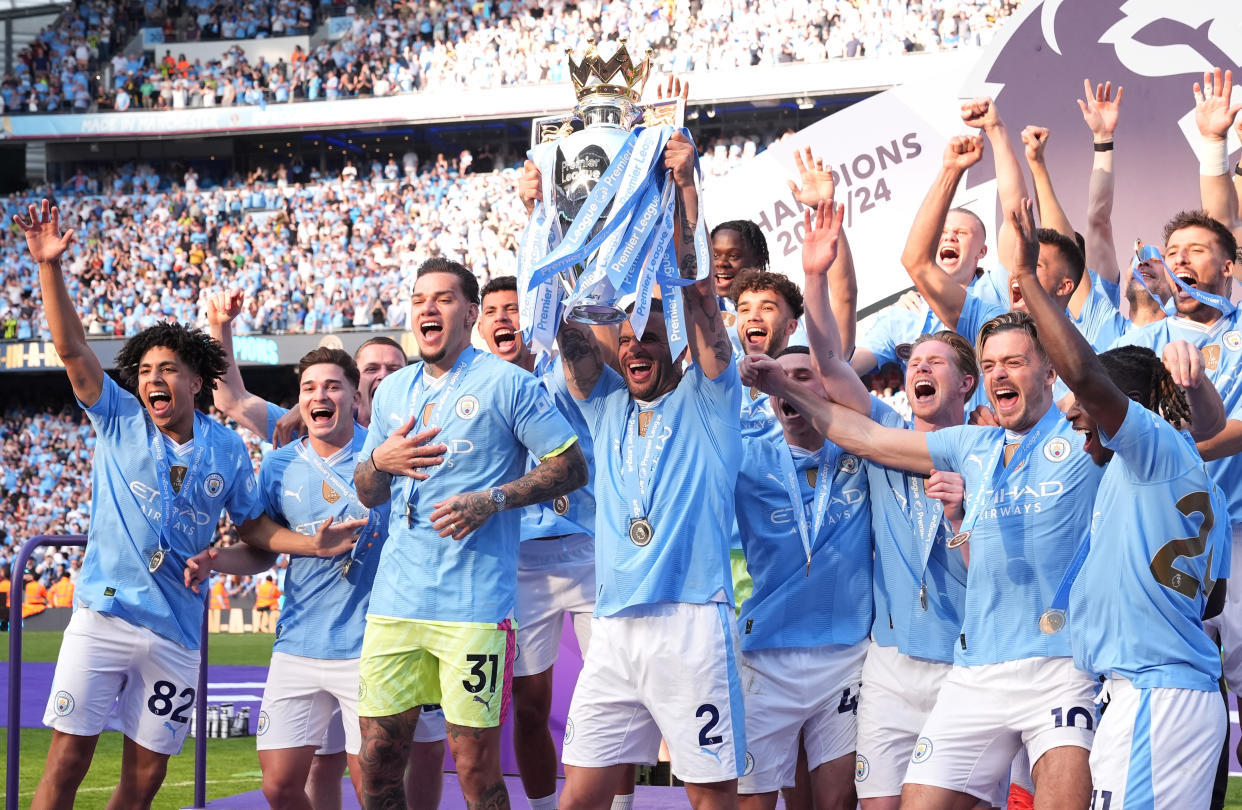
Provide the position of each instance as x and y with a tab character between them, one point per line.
1157	50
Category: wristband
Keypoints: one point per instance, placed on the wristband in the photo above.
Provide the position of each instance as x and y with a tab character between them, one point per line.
1213	158
371	458
1104	146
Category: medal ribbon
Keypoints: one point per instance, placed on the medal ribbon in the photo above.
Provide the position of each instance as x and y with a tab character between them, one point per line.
1060	600
163	468
638	490
1147	253
346	489
823	495
418	397
1000	475
925	516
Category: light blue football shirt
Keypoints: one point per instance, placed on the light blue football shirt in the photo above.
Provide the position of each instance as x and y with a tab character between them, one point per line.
128	510
1159	538
573	513
324	613
492	417
697	439
793	606
902	518
1221	345
1027	533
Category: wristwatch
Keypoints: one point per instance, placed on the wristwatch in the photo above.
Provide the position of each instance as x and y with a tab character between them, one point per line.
498	498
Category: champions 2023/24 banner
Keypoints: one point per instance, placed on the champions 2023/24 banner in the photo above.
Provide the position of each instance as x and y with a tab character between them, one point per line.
886	150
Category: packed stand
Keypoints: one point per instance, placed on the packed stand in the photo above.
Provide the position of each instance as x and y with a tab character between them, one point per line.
319	256
397	48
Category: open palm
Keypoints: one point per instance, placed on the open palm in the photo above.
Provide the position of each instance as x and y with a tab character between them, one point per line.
42	229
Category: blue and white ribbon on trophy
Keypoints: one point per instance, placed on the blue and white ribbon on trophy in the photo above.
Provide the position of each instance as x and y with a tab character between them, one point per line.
629	253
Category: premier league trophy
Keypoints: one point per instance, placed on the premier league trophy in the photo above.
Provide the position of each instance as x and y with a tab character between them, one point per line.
606	208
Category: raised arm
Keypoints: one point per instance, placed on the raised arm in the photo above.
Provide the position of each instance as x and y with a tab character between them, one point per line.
46	245
816	185
1101	112
853	432
1071	354
1214	114
231	396
944	295
1184	363
552	477
582	356
708	338
1051	214
820	245
1010	185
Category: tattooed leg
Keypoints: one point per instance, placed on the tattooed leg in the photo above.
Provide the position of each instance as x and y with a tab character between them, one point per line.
385	749
477	754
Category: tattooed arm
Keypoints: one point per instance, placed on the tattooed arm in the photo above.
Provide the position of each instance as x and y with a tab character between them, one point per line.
552	477
582	356
709	339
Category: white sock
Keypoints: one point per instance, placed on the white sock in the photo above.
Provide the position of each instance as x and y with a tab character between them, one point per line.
546	803
625	802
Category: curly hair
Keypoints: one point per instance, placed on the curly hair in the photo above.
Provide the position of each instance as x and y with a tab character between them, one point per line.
762	281
194	347
1141	375
752	237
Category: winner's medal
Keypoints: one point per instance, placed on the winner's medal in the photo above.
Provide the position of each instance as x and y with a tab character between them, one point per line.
157	559
1053	621
641	531
958	540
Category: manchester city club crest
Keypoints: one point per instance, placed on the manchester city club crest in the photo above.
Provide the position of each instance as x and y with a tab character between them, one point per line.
862	769
213	484
467	407
1233	340
1057	449
569	730
264	722
922	750
750	764
63	704
848	464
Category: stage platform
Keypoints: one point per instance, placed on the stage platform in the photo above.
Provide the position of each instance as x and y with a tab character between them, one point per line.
645	797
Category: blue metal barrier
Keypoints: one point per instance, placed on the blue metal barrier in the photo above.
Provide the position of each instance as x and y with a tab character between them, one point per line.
14	731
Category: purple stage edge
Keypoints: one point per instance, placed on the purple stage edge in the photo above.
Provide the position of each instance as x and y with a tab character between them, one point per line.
16	596
13	732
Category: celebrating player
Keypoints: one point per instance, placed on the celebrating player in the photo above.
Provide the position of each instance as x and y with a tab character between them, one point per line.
1159	740
1010	682
662	661
165	473
375	359
439	626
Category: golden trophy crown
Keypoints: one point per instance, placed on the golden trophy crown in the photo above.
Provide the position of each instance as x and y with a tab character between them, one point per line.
618	76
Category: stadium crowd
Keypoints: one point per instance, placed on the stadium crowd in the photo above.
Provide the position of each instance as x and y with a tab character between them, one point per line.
392	48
